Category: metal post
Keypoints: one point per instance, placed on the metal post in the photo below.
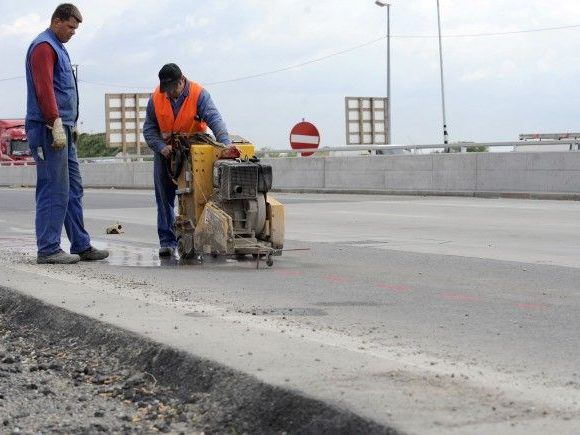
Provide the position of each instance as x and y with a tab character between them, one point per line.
388	133
389	72
445	135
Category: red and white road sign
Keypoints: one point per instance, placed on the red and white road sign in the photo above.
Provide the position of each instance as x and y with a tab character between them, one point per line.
304	135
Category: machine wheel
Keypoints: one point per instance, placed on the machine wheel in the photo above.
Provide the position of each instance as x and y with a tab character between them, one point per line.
269	261
185	247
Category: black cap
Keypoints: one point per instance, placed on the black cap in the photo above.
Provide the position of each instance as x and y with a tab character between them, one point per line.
169	75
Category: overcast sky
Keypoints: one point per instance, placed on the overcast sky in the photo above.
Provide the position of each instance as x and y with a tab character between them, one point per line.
496	86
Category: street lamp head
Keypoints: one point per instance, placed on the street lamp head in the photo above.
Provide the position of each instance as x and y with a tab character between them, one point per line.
381	3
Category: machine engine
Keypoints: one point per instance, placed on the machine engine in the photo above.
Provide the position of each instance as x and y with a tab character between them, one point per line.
240	190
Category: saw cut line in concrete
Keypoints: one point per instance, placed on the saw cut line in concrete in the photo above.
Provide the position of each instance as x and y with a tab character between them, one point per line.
350	304
195	314
290	311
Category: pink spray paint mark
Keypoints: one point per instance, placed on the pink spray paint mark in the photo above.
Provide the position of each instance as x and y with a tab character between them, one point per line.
336	279
289	272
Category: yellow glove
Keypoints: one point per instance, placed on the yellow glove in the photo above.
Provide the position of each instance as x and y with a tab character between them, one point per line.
58	134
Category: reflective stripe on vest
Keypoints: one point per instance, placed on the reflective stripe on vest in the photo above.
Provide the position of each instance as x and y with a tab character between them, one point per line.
185	121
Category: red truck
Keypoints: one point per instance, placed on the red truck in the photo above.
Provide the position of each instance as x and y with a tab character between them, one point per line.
14	148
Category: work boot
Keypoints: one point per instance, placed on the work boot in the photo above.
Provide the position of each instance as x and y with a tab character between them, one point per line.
166	251
93	254
59	257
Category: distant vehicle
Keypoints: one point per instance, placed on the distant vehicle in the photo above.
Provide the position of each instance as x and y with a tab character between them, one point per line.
533	142
14	147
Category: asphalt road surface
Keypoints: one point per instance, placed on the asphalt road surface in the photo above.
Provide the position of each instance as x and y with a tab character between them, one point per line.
432	315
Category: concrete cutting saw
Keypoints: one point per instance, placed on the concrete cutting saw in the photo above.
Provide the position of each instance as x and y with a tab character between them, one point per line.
224	208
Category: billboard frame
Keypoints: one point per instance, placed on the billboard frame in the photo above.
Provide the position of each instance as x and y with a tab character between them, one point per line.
361	120
129	103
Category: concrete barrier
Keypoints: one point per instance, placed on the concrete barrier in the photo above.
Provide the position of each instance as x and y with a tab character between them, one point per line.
548	174
17	175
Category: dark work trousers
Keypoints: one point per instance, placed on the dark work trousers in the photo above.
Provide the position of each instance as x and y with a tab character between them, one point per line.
165	198
59	192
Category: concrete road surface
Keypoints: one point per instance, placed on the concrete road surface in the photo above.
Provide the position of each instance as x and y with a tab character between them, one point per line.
431	315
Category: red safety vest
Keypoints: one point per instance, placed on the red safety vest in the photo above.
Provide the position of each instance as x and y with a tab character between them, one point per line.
185	121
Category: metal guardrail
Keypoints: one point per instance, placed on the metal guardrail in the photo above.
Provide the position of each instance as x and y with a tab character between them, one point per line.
463	146
573	145
120	159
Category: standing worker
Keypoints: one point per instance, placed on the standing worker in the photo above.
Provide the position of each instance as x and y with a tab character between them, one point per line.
51	116
177	105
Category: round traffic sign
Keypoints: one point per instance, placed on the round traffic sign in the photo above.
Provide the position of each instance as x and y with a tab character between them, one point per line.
304	135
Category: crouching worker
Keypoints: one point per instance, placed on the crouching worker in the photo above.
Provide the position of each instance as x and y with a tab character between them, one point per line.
178	105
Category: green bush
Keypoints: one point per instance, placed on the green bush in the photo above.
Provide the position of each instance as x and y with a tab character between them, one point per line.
94	145
470	149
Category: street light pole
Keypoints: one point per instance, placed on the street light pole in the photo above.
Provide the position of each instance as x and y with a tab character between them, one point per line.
445	135
388	5
389	72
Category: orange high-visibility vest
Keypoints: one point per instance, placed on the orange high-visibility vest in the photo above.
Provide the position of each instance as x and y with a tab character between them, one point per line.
186	121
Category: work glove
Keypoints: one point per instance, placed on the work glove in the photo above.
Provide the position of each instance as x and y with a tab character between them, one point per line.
58	134
166	151
231	152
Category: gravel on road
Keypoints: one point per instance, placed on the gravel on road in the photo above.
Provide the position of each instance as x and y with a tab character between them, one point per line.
61	372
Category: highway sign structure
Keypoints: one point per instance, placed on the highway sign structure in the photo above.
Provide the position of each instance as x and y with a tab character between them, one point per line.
367	120
304	135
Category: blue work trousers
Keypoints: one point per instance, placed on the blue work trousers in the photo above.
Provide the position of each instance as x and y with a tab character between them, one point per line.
59	192
165	197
